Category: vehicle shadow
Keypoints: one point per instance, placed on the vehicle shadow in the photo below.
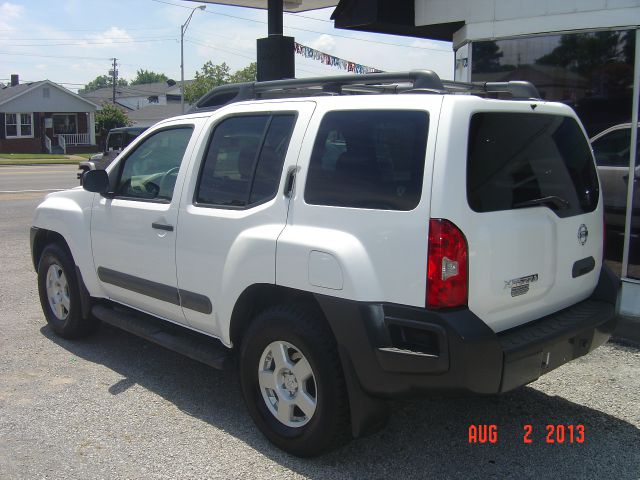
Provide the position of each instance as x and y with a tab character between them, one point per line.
425	438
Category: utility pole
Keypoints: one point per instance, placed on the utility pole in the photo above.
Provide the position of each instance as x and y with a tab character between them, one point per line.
183	29
114	78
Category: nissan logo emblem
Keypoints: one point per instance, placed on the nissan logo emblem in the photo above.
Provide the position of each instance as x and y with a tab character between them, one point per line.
583	234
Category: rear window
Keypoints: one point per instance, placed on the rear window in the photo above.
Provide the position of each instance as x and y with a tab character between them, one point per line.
519	160
368	159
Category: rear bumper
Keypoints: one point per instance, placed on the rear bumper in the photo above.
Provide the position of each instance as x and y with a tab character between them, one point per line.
396	350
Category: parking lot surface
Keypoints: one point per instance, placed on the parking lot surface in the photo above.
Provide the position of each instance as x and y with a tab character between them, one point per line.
114	406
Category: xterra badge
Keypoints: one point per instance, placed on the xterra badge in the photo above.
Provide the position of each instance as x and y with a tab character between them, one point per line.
583	234
520	286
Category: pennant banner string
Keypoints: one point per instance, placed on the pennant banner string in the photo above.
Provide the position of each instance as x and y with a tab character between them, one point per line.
330	60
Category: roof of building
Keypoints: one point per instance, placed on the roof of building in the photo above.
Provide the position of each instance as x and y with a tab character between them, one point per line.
144	90
153	113
8	92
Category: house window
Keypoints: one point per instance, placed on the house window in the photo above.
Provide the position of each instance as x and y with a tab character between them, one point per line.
64	123
153	99
18	125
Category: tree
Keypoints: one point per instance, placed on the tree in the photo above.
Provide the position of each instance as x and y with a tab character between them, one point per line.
486	57
584	53
246	74
111	116
211	76
147	76
102	81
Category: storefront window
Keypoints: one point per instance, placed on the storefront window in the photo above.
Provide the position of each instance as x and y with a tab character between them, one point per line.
592	73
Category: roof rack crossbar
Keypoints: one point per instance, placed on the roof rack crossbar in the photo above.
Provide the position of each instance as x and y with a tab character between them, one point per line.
516	88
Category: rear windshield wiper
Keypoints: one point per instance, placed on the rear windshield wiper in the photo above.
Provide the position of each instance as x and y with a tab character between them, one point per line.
554	202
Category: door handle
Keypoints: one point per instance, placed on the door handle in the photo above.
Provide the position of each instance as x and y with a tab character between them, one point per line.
162	226
290	182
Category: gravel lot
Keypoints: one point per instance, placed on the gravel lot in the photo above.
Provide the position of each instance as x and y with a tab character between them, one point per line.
114	406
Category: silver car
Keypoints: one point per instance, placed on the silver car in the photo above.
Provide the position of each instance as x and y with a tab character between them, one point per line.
611	149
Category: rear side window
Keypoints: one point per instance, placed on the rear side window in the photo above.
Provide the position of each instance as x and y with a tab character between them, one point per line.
368	159
519	160
613	149
243	164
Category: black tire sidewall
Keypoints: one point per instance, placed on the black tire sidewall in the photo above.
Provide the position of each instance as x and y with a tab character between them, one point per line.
319	433
72	325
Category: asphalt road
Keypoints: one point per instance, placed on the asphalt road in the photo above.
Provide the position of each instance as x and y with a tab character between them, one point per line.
114	406
37	177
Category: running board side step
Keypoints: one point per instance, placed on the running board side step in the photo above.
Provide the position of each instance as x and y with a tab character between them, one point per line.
191	344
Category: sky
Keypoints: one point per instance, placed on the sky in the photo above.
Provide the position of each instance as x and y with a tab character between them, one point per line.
71	42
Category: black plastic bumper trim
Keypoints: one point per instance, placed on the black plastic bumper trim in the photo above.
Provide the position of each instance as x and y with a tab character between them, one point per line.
468	355
192	301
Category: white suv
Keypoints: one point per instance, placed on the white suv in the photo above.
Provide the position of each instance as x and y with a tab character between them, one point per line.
345	246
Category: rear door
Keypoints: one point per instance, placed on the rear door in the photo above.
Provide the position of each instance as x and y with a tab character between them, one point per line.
532	214
234	207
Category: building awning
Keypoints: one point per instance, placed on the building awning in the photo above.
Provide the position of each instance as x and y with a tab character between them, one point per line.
291	6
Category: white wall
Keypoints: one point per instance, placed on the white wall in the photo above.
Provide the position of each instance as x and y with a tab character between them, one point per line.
489	19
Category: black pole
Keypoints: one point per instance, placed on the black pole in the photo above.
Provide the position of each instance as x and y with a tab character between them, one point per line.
275	13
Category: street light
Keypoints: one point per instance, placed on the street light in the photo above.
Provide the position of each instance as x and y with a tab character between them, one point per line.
183	28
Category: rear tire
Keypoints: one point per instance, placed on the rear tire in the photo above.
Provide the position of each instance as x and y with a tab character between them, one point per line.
60	294
292	381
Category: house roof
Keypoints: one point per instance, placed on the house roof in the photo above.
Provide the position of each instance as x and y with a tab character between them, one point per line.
9	93
144	90
153	113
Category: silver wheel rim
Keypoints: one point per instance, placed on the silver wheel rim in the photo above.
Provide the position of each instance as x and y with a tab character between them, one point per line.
287	384
58	292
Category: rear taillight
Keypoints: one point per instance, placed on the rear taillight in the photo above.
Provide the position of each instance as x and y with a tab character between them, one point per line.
447	271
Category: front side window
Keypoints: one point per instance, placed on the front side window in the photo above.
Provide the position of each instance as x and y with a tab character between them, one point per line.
243	163
518	160
368	159
150	171
18	125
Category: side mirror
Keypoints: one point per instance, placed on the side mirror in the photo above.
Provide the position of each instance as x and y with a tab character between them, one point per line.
96	181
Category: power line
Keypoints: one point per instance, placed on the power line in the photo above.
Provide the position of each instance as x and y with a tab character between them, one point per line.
220	48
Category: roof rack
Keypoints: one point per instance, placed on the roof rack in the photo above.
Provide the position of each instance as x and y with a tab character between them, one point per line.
414	81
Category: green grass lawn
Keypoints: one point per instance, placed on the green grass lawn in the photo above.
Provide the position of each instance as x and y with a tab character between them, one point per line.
31	156
40	158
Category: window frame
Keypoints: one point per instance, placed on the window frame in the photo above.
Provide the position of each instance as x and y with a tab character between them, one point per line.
135	145
53	125
612	131
18	125
214	127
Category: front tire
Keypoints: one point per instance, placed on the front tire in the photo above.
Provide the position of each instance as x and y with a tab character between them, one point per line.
292	380
60	294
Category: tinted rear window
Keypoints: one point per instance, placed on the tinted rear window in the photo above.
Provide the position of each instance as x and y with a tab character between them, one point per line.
368	159
516	159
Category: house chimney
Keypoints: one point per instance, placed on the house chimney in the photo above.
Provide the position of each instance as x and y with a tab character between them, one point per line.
15	79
